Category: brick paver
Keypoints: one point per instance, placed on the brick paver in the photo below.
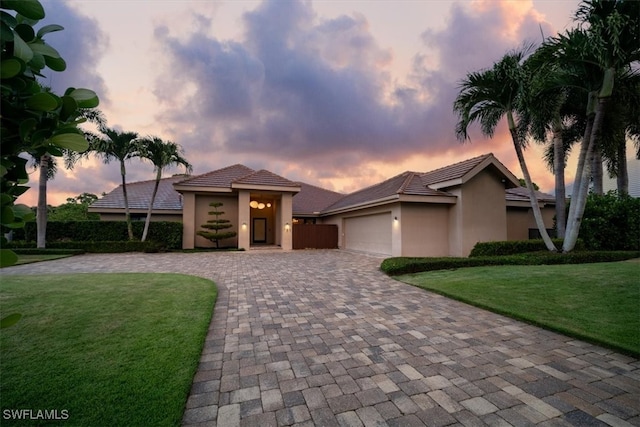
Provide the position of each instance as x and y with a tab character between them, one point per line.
324	338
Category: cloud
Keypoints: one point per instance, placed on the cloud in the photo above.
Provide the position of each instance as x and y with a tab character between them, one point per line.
81	44
318	93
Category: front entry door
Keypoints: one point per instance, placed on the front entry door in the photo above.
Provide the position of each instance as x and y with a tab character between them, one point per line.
259	230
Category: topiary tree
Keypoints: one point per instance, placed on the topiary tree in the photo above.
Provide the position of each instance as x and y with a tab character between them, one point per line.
214	226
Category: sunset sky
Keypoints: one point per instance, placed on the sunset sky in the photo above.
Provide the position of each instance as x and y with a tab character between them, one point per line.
340	94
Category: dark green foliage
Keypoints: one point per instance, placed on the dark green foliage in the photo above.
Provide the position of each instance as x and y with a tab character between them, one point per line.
48	251
167	234
102	247
512	247
611	222
72	212
406	265
213	226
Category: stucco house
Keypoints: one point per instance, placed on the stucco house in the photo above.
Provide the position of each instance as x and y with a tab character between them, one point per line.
444	212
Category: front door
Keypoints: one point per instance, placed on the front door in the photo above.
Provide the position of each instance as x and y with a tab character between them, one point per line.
259	230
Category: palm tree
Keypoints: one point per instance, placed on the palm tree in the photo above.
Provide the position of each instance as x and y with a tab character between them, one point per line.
488	96
163	155
120	146
614	44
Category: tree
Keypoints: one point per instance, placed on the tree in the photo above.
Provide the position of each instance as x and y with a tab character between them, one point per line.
33	120
487	97
614	44
162	155
213	226
75	209
120	146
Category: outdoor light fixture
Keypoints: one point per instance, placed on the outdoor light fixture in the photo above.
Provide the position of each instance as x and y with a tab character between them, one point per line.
261	205
244	225
395	219
286	227
253	204
268	205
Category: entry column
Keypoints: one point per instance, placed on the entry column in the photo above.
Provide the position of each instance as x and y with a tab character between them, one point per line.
286	221
244	219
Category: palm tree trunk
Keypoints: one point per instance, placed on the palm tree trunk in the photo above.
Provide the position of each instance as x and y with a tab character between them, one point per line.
622	177
579	198
537	214
558	171
153	199
597	171
127	215
41	216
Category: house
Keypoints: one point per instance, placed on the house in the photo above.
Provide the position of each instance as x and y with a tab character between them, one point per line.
444	212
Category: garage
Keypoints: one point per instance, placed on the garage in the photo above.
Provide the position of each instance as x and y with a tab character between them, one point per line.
370	233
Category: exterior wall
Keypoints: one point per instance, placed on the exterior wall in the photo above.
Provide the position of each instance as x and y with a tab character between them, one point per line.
154	217
480	214
425	229
188	220
202	209
244	219
520	220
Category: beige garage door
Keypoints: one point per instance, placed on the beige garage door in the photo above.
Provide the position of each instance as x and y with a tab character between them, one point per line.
370	233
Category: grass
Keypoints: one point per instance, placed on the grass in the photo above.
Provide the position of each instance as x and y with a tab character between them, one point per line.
111	349
598	302
28	259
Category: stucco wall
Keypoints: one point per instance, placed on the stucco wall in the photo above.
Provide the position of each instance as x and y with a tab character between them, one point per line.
480	214
520	220
425	229
202	209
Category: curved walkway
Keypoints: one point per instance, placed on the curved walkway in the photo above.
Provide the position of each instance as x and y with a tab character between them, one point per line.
324	338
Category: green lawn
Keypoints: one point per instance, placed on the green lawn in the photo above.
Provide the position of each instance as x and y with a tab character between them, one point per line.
111	349
595	302
28	259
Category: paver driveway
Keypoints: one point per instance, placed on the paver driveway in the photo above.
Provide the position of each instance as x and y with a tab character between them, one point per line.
324	338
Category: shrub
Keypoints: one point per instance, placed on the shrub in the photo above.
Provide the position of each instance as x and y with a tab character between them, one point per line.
167	234
91	247
405	265
36	251
512	247
611	222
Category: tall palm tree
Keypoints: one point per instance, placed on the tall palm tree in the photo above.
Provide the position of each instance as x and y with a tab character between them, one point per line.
487	97
614	44
120	146
163	155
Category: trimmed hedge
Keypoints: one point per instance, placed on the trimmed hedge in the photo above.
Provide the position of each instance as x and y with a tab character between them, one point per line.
92	247
167	234
406	265
513	247
36	251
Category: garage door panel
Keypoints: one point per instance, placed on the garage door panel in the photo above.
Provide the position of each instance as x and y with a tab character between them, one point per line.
370	233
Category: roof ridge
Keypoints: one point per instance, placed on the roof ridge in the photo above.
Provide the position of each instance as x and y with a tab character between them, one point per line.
193	177
410	176
458	163
321	188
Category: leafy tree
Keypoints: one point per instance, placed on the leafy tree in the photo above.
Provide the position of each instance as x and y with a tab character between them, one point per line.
75	209
487	97
120	146
523	183
33	120
213	226
163	155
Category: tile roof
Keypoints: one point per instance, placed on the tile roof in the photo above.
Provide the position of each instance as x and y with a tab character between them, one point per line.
264	177
454	171
521	194
139	194
219	178
407	183
311	199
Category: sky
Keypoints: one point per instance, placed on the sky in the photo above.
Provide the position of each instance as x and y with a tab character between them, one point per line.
339	94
